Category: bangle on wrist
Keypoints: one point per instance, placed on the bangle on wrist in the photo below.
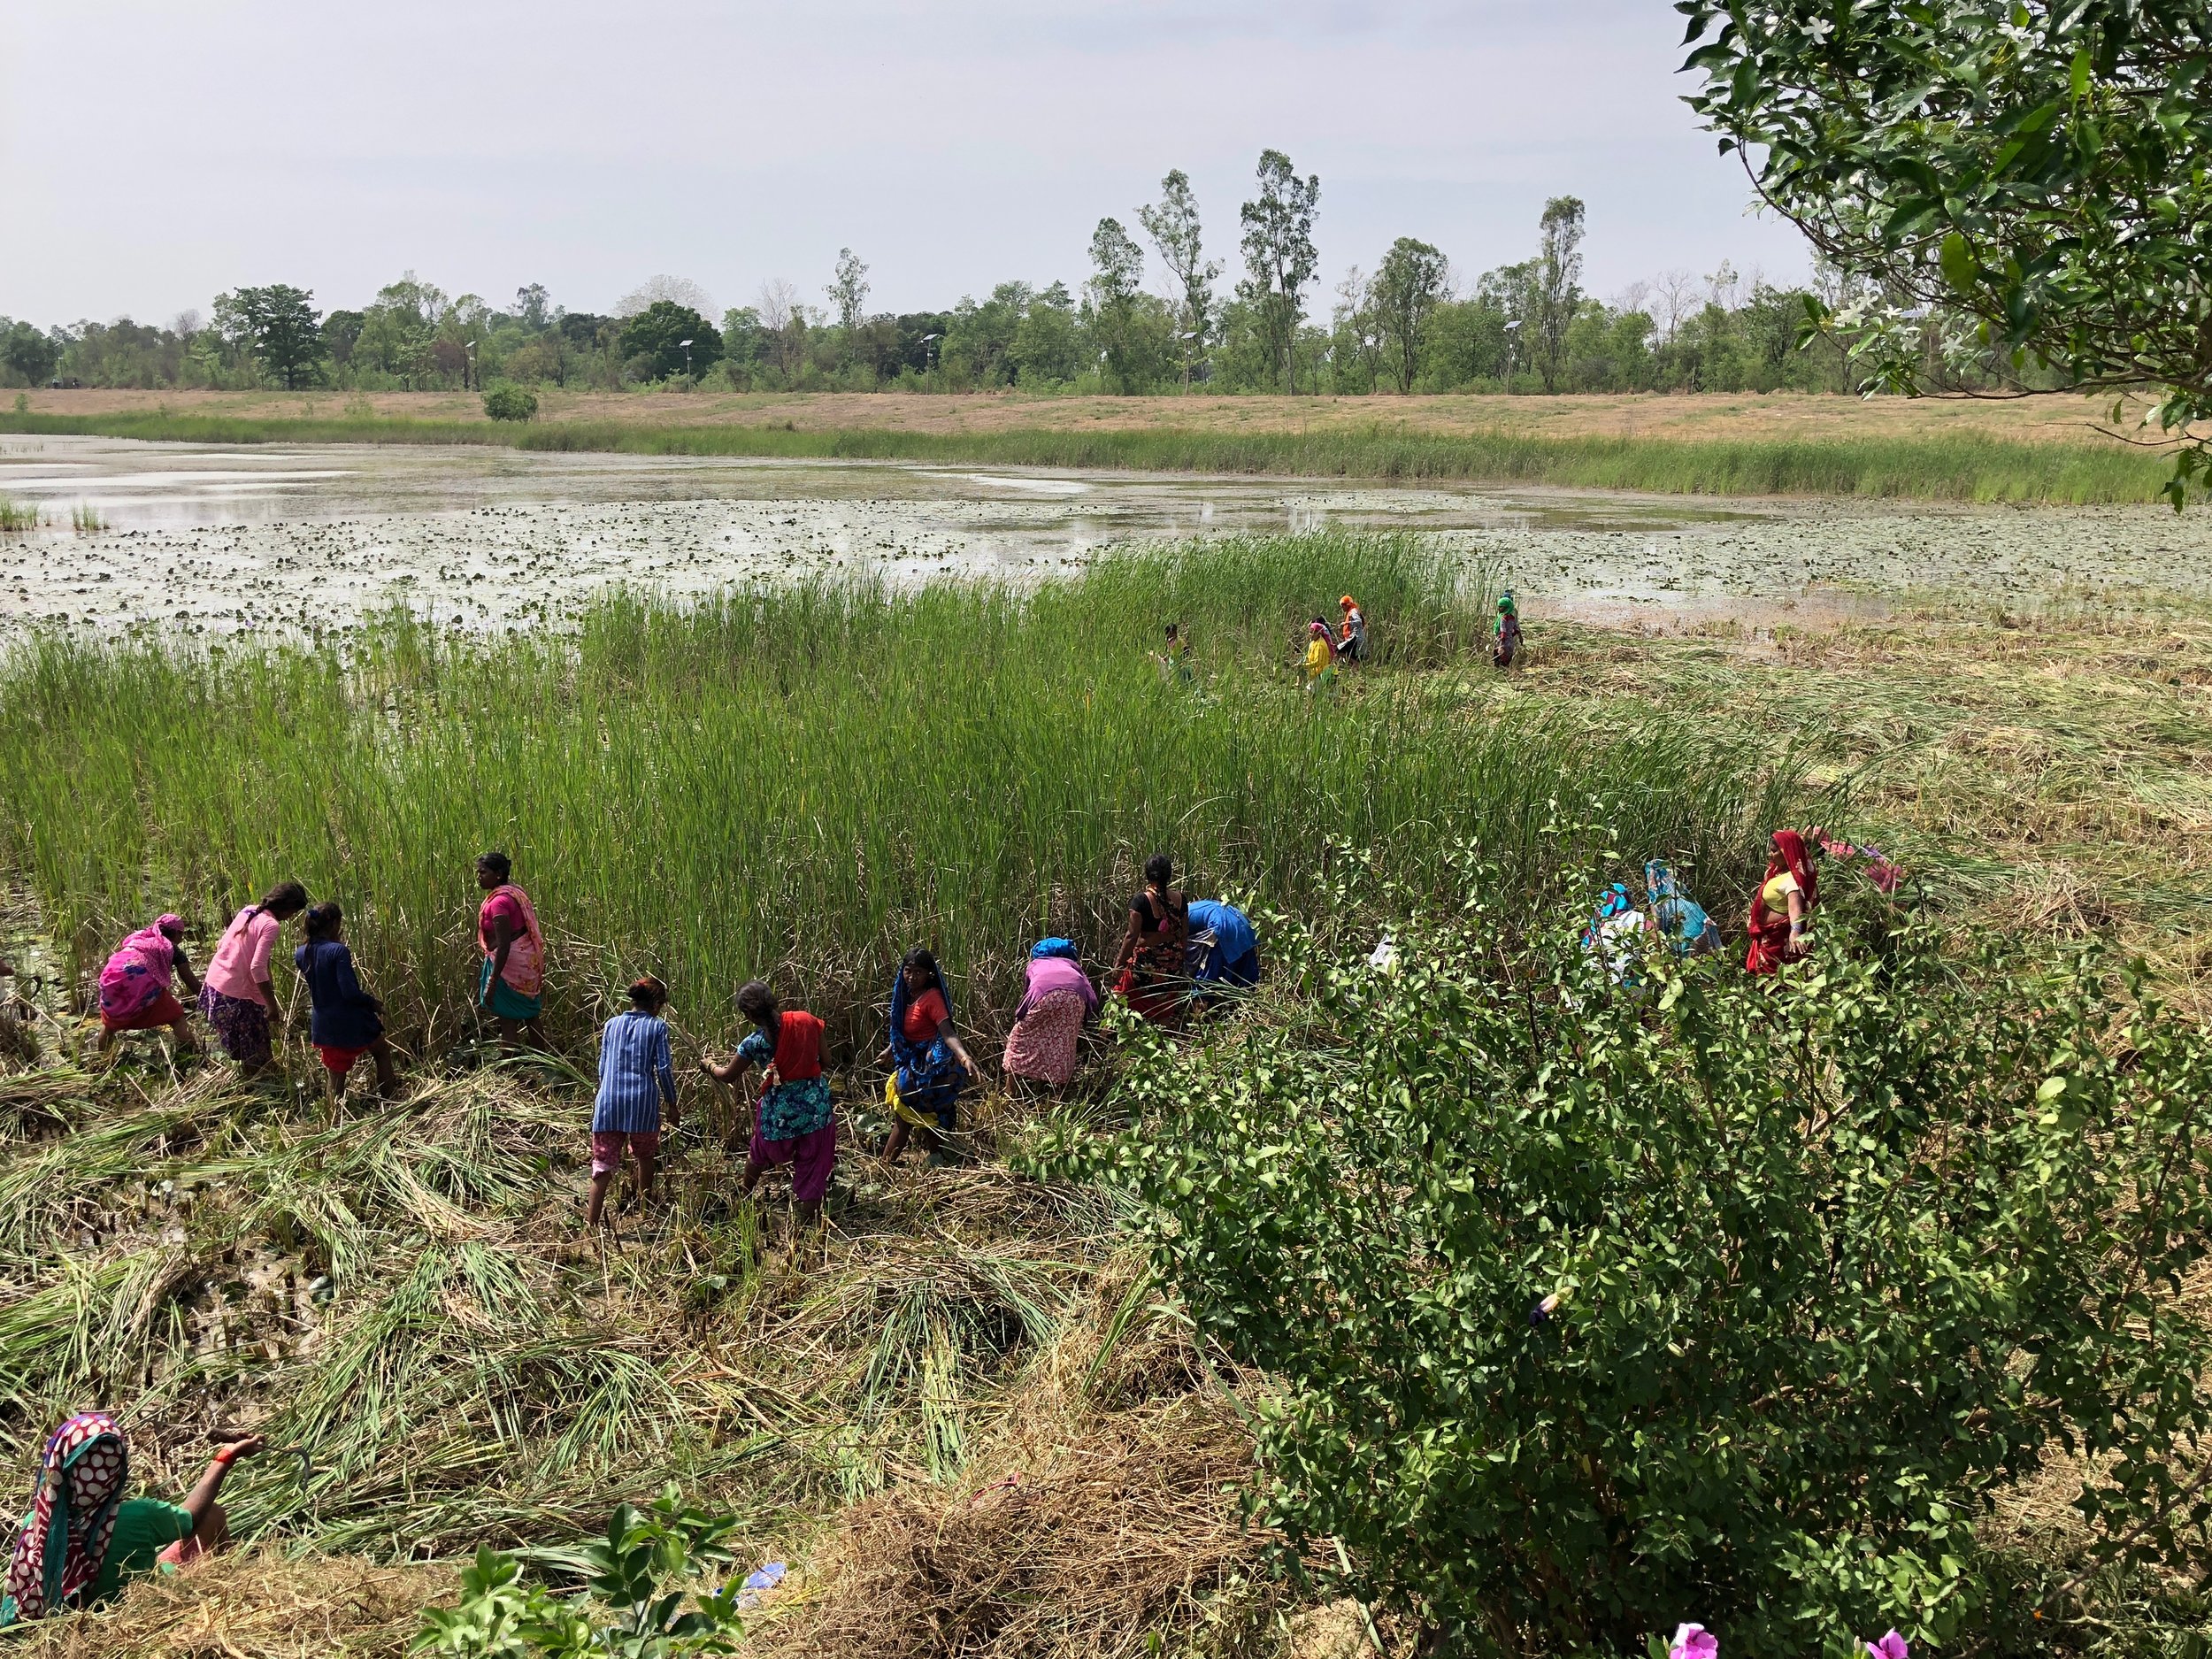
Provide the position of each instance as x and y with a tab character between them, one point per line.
226	1456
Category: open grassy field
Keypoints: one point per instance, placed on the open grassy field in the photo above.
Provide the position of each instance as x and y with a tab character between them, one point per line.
965	1410
2038	451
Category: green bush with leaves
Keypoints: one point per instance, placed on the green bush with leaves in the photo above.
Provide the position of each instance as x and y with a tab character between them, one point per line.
651	1564
1595	1308
511	403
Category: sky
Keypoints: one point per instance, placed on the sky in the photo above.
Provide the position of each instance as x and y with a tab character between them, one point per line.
155	152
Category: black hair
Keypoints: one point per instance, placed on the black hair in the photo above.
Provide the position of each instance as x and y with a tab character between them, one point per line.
1172	628
287	898
323	919
757	1001
647	991
1159	870
920	960
497	863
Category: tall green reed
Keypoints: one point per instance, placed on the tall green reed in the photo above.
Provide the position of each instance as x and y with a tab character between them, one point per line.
804	781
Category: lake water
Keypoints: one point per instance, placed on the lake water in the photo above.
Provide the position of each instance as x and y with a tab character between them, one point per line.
204	538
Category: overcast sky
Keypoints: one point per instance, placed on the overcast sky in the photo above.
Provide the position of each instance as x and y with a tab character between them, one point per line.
153	152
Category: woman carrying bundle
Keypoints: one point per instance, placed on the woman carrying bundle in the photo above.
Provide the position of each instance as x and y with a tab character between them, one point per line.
929	1065
135	986
347	1022
794	1121
510	985
1048	1020
1151	978
238	998
1781	916
1352	643
83	1537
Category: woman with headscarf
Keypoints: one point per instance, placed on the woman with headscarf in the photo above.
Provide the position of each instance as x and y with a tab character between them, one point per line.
1509	641
1352	643
1615	929
929	1065
1782	910
1677	918
1320	655
1048	1020
135	986
83	1537
1224	952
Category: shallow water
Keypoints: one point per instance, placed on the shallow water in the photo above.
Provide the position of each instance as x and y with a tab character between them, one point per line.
204	538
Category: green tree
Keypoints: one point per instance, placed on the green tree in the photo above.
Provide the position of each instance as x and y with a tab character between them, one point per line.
396	330
1048	345
977	348
2036	172
32	353
1115	286
849	292
655	341
1280	259
533	307
1591	1304
1173	227
278	324
1409	286
1558	286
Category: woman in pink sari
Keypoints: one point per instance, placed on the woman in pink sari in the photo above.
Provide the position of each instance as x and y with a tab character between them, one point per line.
510	985
1049	1018
135	987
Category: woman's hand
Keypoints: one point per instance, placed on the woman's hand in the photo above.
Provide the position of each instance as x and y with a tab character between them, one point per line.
246	1447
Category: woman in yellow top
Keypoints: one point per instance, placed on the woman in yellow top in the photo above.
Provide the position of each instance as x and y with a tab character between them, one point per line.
1782	909
1320	655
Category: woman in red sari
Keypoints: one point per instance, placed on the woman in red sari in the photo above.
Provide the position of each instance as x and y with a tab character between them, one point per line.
1782	910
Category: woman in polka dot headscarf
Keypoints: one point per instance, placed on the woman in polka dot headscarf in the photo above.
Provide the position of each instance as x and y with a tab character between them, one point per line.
82	1537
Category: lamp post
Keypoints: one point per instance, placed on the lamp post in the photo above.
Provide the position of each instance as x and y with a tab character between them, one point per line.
930	358
1512	339
685	344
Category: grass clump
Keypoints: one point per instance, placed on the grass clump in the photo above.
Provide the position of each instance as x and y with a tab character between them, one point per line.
1943	466
15	518
807	781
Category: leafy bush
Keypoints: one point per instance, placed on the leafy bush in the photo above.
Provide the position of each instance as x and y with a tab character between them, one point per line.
647	1566
1717	1298
511	403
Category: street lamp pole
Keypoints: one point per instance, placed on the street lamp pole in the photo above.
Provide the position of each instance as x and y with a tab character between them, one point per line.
685	344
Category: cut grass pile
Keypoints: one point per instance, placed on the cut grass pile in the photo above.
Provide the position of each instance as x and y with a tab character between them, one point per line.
803	783
1943	466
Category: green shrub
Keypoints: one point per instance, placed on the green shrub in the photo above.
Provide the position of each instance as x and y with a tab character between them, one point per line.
1836	1256
642	1572
511	403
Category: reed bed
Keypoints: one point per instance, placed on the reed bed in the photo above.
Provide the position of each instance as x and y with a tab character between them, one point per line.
803	782
1949	466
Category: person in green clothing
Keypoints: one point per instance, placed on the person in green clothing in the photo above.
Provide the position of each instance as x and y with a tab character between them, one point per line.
83	1537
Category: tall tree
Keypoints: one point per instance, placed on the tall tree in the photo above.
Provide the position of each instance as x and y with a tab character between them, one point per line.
278	324
1279	256
1172	225
672	339
849	292
533	306
1558	284
1409	287
2036	172
1116	276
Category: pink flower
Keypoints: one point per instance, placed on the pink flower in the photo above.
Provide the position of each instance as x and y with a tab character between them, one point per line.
1693	1641
1891	1647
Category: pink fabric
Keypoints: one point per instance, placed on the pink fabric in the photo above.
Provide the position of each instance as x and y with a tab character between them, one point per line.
139	972
812	1158
606	1144
241	964
525	957
1047	974
1043	1042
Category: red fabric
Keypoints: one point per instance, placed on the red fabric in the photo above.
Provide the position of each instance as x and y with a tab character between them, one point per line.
339	1061
924	1015
799	1043
163	1010
1770	932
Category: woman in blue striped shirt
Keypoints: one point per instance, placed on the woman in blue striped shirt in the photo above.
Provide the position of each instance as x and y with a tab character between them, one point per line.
636	1075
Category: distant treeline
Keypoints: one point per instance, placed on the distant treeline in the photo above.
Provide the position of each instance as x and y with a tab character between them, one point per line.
1408	325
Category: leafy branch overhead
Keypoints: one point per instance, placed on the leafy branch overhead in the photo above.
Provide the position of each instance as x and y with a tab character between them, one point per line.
2040	170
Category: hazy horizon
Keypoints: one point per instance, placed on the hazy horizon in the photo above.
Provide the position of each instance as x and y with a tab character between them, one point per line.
153	156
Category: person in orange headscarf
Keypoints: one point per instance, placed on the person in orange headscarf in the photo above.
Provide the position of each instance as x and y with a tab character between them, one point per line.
1353	643
1782	910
